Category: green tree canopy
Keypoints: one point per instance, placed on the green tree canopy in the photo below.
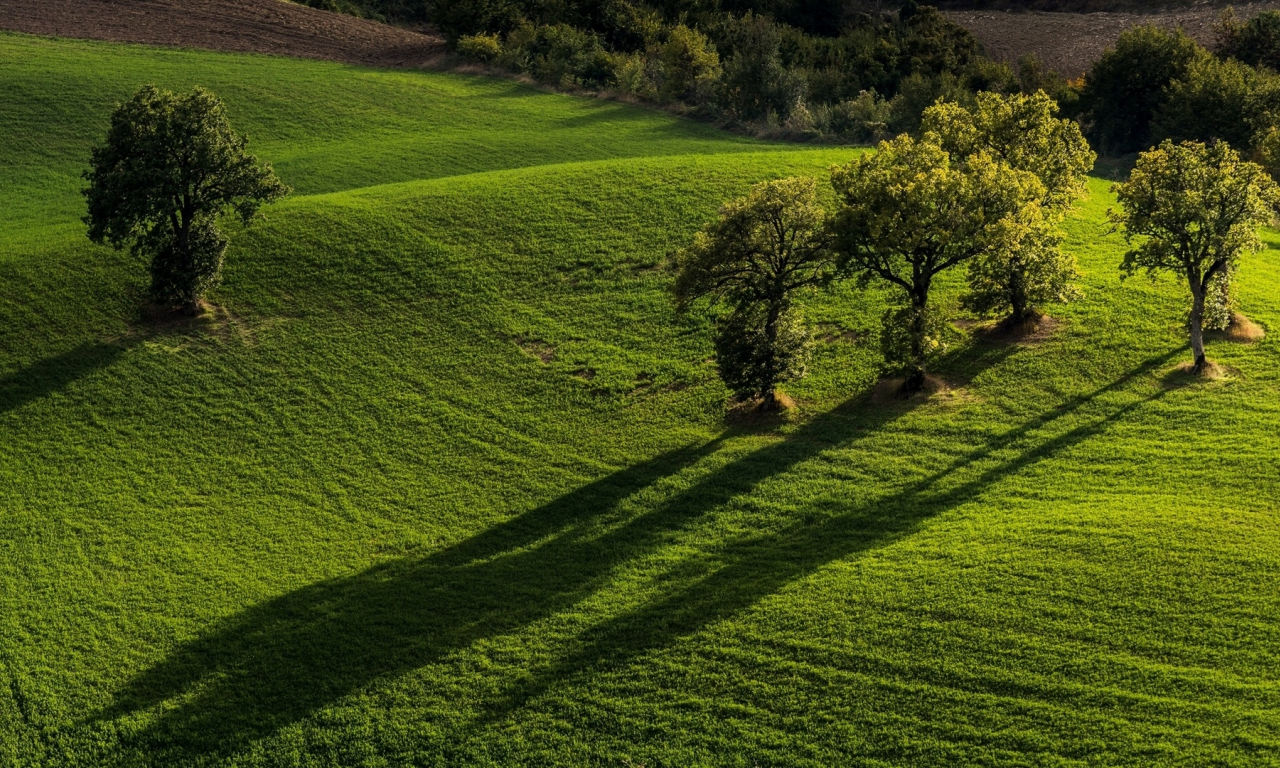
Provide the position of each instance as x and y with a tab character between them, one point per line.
909	212
754	257
171	166
1126	86
1024	132
1193	210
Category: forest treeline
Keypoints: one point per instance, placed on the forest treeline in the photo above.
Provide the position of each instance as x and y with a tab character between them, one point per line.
859	72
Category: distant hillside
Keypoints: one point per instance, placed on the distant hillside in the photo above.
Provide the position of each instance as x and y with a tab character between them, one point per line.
251	26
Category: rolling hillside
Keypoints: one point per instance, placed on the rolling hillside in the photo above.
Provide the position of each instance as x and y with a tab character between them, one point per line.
445	480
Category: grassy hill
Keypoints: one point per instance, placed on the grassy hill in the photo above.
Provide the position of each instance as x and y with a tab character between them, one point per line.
445	480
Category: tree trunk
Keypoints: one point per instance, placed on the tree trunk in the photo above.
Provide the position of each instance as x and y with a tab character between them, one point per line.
916	373
769	376
1197	323
1021	309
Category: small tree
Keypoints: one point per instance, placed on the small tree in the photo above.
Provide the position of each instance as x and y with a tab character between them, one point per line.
1024	132
909	213
761	250
690	65
1196	210
171	166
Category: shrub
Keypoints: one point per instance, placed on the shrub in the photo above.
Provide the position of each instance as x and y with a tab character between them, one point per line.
752	360
559	54
862	120
484	48
755	85
912	337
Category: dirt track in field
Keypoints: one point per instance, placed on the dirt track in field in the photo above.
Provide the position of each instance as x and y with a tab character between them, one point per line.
1070	42
258	26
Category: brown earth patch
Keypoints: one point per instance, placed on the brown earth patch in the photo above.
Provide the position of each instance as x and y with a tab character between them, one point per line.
1034	330
1242	331
830	332
1071	42
248	26
1185	373
888	391
536	347
754	412
210	321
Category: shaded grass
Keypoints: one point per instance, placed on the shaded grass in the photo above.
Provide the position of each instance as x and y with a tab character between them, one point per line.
385	521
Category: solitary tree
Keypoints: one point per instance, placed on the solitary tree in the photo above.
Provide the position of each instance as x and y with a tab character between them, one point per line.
909	213
1025	132
759	252
1194	210
171	166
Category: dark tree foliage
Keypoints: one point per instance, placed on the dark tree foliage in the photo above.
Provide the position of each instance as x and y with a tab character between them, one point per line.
755	82
1127	85
759	252
1256	42
171	166
1214	100
755	352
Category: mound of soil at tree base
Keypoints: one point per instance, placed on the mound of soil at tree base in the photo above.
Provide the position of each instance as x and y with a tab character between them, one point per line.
1071	42
257	26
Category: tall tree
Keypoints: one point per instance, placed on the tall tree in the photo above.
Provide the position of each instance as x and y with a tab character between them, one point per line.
1193	210
171	166
754	258
1025	132
909	213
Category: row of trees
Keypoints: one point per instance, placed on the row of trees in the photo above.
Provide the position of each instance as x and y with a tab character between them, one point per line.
986	188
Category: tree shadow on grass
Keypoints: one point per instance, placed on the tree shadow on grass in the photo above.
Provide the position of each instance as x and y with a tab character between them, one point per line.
54	374
278	662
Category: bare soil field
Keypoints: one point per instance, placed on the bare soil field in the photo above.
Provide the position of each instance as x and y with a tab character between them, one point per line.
1070	42
258	26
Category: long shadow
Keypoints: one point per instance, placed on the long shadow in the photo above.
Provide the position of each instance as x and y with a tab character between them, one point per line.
53	374
278	662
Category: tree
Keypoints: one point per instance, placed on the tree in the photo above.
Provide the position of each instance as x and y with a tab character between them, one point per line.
909	213
1024	132
1194	211
1126	86
754	257
690	65
1255	42
1213	100
171	166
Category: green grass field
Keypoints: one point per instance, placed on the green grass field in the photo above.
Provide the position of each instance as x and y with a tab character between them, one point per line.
445	480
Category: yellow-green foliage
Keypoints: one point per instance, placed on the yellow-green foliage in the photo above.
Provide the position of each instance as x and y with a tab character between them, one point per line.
909	213
1194	210
1024	132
